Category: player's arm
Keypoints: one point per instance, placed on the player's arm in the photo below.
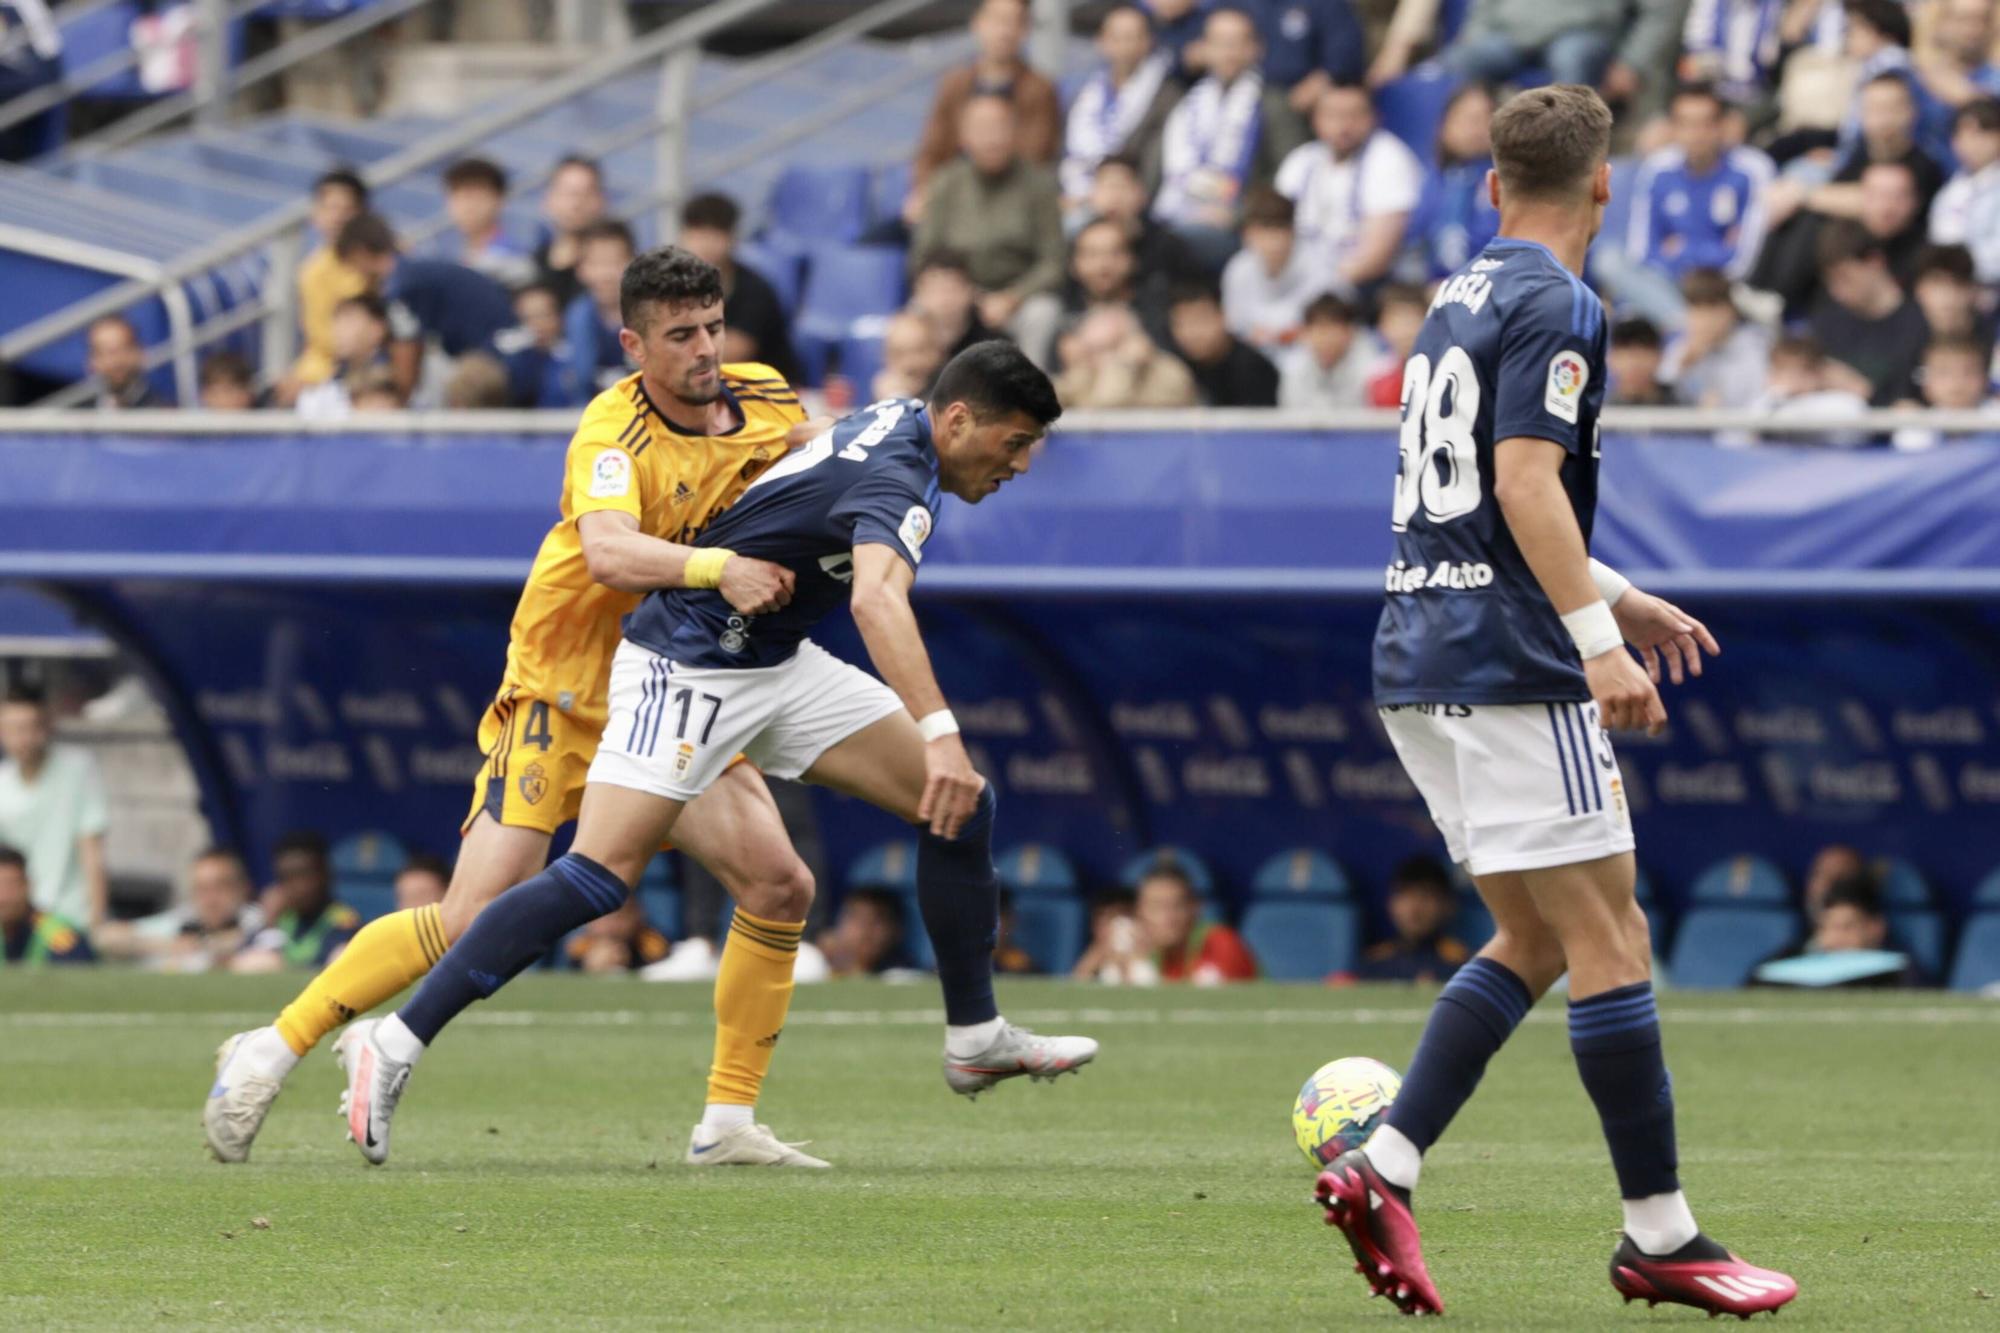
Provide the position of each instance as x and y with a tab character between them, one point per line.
1653	625
1527	484
622	557
888	625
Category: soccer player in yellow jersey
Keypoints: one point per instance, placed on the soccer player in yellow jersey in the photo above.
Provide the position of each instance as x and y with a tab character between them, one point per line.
656	457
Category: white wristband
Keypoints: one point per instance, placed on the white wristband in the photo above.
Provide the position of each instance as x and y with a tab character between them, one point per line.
1594	630
1611	585
931	726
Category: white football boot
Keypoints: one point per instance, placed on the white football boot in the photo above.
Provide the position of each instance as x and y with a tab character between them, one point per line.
746	1145
1014	1052
375	1084
237	1104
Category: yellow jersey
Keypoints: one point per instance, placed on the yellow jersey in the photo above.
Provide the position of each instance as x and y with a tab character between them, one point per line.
626	456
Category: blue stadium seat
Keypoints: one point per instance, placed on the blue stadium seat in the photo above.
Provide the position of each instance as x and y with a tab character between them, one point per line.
1051	930
1988	892
368	853
1903	885
821	203
861	359
1642	885
1300	873
1301	941
1471	925
1742	881
370	897
1919	932
1978	963
1717	946
1412	107
780	264
887	189
1180	858
889	865
844	286
1037	868
661	906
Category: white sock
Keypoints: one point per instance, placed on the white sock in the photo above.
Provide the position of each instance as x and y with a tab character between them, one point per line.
1394	1156
265	1054
400	1044
963	1043
723	1116
1660	1223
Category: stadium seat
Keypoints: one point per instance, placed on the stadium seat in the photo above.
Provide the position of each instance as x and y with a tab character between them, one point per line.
1180	858
1300	873
1919	932
1903	885
779	263
1642	885
861	359
1051	930
1037	868
368	853
661	906
1472	924
1988	892
844	286
1301	941
889	865
1412	107
821	204
1717	946
887	189
1978	963
370	897
1741	881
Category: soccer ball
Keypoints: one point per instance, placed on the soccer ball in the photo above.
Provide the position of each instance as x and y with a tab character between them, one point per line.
1340	1105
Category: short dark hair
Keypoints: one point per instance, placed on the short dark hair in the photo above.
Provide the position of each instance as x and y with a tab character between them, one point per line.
309	841
1423	872
475	173
711	212
568	160
1699	88
1326	308
343	178
1799	347
1265	207
425	863
1858	890
1960	344
539	288
946	260
1981	113
1706	286
1891	77
24	695
365	233
1401	293
886	901
1950	261
219	852
1547	142
11	857
1635	332
1843	240
1120	162
606	229
368	303
669	276
1168	867
1191	291
225	367
994	379
1885	16
113	322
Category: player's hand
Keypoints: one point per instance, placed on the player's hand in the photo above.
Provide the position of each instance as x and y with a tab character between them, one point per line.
754	587
951	787
1626	700
1661	630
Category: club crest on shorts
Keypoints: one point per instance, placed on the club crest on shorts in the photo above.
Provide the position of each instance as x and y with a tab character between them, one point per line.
534	783
683	757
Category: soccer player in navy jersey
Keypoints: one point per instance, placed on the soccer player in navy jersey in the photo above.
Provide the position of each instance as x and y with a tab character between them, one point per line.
697	682
1500	663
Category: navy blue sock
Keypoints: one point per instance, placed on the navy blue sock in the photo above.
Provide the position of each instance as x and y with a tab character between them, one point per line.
1476	1012
959	896
515	929
1616	1039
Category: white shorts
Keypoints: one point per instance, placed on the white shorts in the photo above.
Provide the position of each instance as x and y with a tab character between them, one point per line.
1515	786
673	729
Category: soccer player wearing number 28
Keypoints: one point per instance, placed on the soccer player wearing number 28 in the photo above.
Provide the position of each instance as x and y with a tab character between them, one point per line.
1500	663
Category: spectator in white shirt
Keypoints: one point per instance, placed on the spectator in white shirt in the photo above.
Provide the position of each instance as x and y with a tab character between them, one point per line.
52	808
1121	108
1967	210
1719	359
1331	366
1354	187
1802	383
1266	287
1955	377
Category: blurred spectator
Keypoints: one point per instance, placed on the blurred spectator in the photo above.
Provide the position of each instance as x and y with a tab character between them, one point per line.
1009	957
423	880
1864	316
1185	947
1955	377
999	29
1852	920
475	195
754	323
1633	363
1266	287
621	940
1399	316
52	808
117	361
227	383
477	383
1736	45
1948	293
1956	61
911	357
1177	28
338	197
360	344
1118	954
1109	361
1329	368
1718	361
867	937
1422	899
590	326
375	390
1309	45
1876	39
1103	270
1354	187
534	351
1455	217
31	58
1227	371
1967	210
1612	45
429	300
1831	864
1118	192
572	200
943	293
1229	133
1802	384
307	926
1888	205
1002	212
201	934
1888	127
1121	108
30	937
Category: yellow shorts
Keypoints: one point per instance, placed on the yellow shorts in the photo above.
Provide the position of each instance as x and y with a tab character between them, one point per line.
537	758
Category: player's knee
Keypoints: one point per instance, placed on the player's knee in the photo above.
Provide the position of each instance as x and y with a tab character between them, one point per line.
1536	956
784	896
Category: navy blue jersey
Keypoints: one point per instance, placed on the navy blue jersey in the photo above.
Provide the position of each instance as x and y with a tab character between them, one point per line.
1513	346
872	478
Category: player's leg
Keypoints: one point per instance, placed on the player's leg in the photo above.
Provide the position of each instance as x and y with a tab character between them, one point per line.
734	830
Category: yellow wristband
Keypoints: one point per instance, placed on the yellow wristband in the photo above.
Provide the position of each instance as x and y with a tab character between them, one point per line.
704	567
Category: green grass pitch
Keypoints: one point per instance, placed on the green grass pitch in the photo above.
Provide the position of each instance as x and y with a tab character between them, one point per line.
1853	1140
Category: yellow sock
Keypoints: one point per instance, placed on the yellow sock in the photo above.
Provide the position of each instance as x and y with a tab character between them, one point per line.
753	993
386	955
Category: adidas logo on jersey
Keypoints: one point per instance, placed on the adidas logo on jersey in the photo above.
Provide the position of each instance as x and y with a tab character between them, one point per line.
1457	574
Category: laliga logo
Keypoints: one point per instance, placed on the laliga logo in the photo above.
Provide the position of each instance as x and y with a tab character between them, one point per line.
1566	376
